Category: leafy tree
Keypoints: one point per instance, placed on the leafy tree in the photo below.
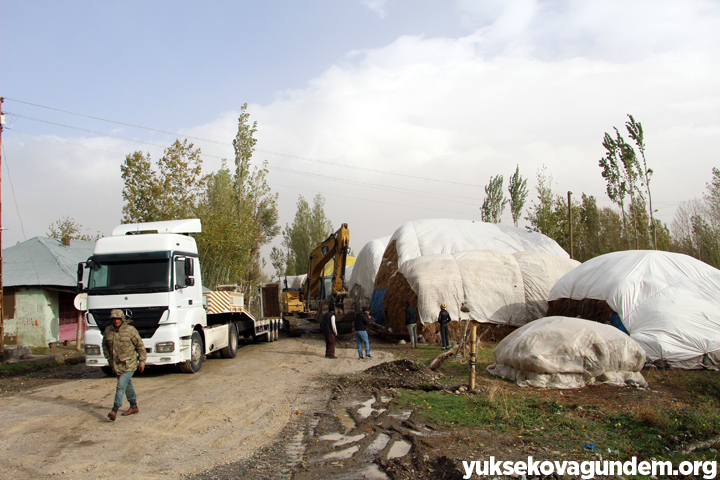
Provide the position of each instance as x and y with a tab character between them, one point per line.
635	131
712	199
171	193
494	203
224	246
542	214
237	208
614	174
256	202
278	259
517	187
141	189
68	228
309	228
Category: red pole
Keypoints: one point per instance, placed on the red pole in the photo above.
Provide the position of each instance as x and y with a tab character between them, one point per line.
2	320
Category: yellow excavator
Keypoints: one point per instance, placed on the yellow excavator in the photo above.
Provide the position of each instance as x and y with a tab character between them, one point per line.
319	290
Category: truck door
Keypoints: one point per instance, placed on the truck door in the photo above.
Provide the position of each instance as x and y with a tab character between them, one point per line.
182	298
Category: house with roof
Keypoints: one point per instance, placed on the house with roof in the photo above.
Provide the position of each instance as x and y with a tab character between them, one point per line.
39	289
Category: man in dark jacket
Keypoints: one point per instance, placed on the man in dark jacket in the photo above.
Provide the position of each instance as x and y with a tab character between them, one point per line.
443	320
362	320
411	318
327	327
125	352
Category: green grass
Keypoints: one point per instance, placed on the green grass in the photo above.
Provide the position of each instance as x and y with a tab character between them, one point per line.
646	431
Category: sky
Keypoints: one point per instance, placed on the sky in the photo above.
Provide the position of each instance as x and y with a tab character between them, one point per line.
392	110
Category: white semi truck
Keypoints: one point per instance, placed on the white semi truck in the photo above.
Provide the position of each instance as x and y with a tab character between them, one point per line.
151	272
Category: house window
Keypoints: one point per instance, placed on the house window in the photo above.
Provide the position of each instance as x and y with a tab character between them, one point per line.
68	313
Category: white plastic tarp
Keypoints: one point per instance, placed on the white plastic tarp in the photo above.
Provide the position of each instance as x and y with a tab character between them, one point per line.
494	286
540	271
563	352
366	267
668	302
438	236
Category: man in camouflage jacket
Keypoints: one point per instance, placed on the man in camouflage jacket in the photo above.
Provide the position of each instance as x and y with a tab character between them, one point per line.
124	350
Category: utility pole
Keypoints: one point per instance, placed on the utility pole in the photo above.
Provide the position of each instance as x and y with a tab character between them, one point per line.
570	224
2	321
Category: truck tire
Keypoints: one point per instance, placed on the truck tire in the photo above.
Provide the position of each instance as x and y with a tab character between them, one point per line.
108	371
197	352
231	350
277	330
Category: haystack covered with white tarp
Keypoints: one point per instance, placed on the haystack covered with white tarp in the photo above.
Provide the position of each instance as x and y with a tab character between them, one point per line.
485	286
562	352
361	282
443	236
493	287
293	281
668	302
470	266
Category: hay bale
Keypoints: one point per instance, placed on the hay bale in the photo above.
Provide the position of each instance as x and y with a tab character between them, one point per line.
587	308
388	267
398	292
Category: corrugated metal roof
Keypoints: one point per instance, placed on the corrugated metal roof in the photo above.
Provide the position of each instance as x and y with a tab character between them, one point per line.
44	261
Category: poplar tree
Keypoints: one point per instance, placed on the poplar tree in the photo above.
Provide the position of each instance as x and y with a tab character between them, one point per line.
517	187
494	203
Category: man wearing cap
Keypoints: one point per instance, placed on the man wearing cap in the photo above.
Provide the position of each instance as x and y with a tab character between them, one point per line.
443	320
124	350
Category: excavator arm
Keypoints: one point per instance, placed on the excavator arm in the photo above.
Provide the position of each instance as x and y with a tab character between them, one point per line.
335	248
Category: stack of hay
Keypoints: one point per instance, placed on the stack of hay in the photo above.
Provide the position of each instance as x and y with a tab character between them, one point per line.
488	287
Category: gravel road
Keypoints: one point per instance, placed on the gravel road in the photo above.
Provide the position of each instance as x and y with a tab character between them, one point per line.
187	424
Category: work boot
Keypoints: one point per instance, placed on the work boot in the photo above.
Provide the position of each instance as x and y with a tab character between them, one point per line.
133	409
112	415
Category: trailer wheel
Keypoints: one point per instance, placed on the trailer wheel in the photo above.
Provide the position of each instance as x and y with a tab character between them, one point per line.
108	371
197	351
276	329
231	350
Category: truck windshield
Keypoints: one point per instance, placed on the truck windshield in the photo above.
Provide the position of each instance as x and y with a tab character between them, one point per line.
129	273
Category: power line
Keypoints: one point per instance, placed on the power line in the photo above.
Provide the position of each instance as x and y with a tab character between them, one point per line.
269	152
394	189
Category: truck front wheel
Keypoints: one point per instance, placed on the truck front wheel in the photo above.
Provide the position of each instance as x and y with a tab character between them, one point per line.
231	350
197	351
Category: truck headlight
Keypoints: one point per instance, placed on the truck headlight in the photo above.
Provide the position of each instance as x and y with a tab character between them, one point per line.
164	347
92	349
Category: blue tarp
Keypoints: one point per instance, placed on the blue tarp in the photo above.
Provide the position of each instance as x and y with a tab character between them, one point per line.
616	322
377	306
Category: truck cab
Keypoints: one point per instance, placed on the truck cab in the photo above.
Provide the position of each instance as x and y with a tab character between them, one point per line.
151	272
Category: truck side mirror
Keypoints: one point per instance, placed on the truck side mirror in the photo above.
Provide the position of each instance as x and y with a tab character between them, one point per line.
80	275
189	268
81	270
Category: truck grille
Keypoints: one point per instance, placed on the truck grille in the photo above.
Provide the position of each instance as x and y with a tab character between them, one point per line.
144	319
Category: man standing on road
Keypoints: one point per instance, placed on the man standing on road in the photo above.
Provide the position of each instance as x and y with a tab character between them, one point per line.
443	320
327	327
125	353
362	320
411	318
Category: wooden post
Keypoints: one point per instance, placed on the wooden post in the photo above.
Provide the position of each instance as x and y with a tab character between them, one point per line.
79	334
473	356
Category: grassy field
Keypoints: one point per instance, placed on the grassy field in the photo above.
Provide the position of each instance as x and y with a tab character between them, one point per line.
680	409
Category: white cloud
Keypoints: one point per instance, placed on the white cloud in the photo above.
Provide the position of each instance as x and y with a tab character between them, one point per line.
377	6
538	84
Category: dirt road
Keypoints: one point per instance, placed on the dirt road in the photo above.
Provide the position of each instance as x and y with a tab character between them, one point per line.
187	423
